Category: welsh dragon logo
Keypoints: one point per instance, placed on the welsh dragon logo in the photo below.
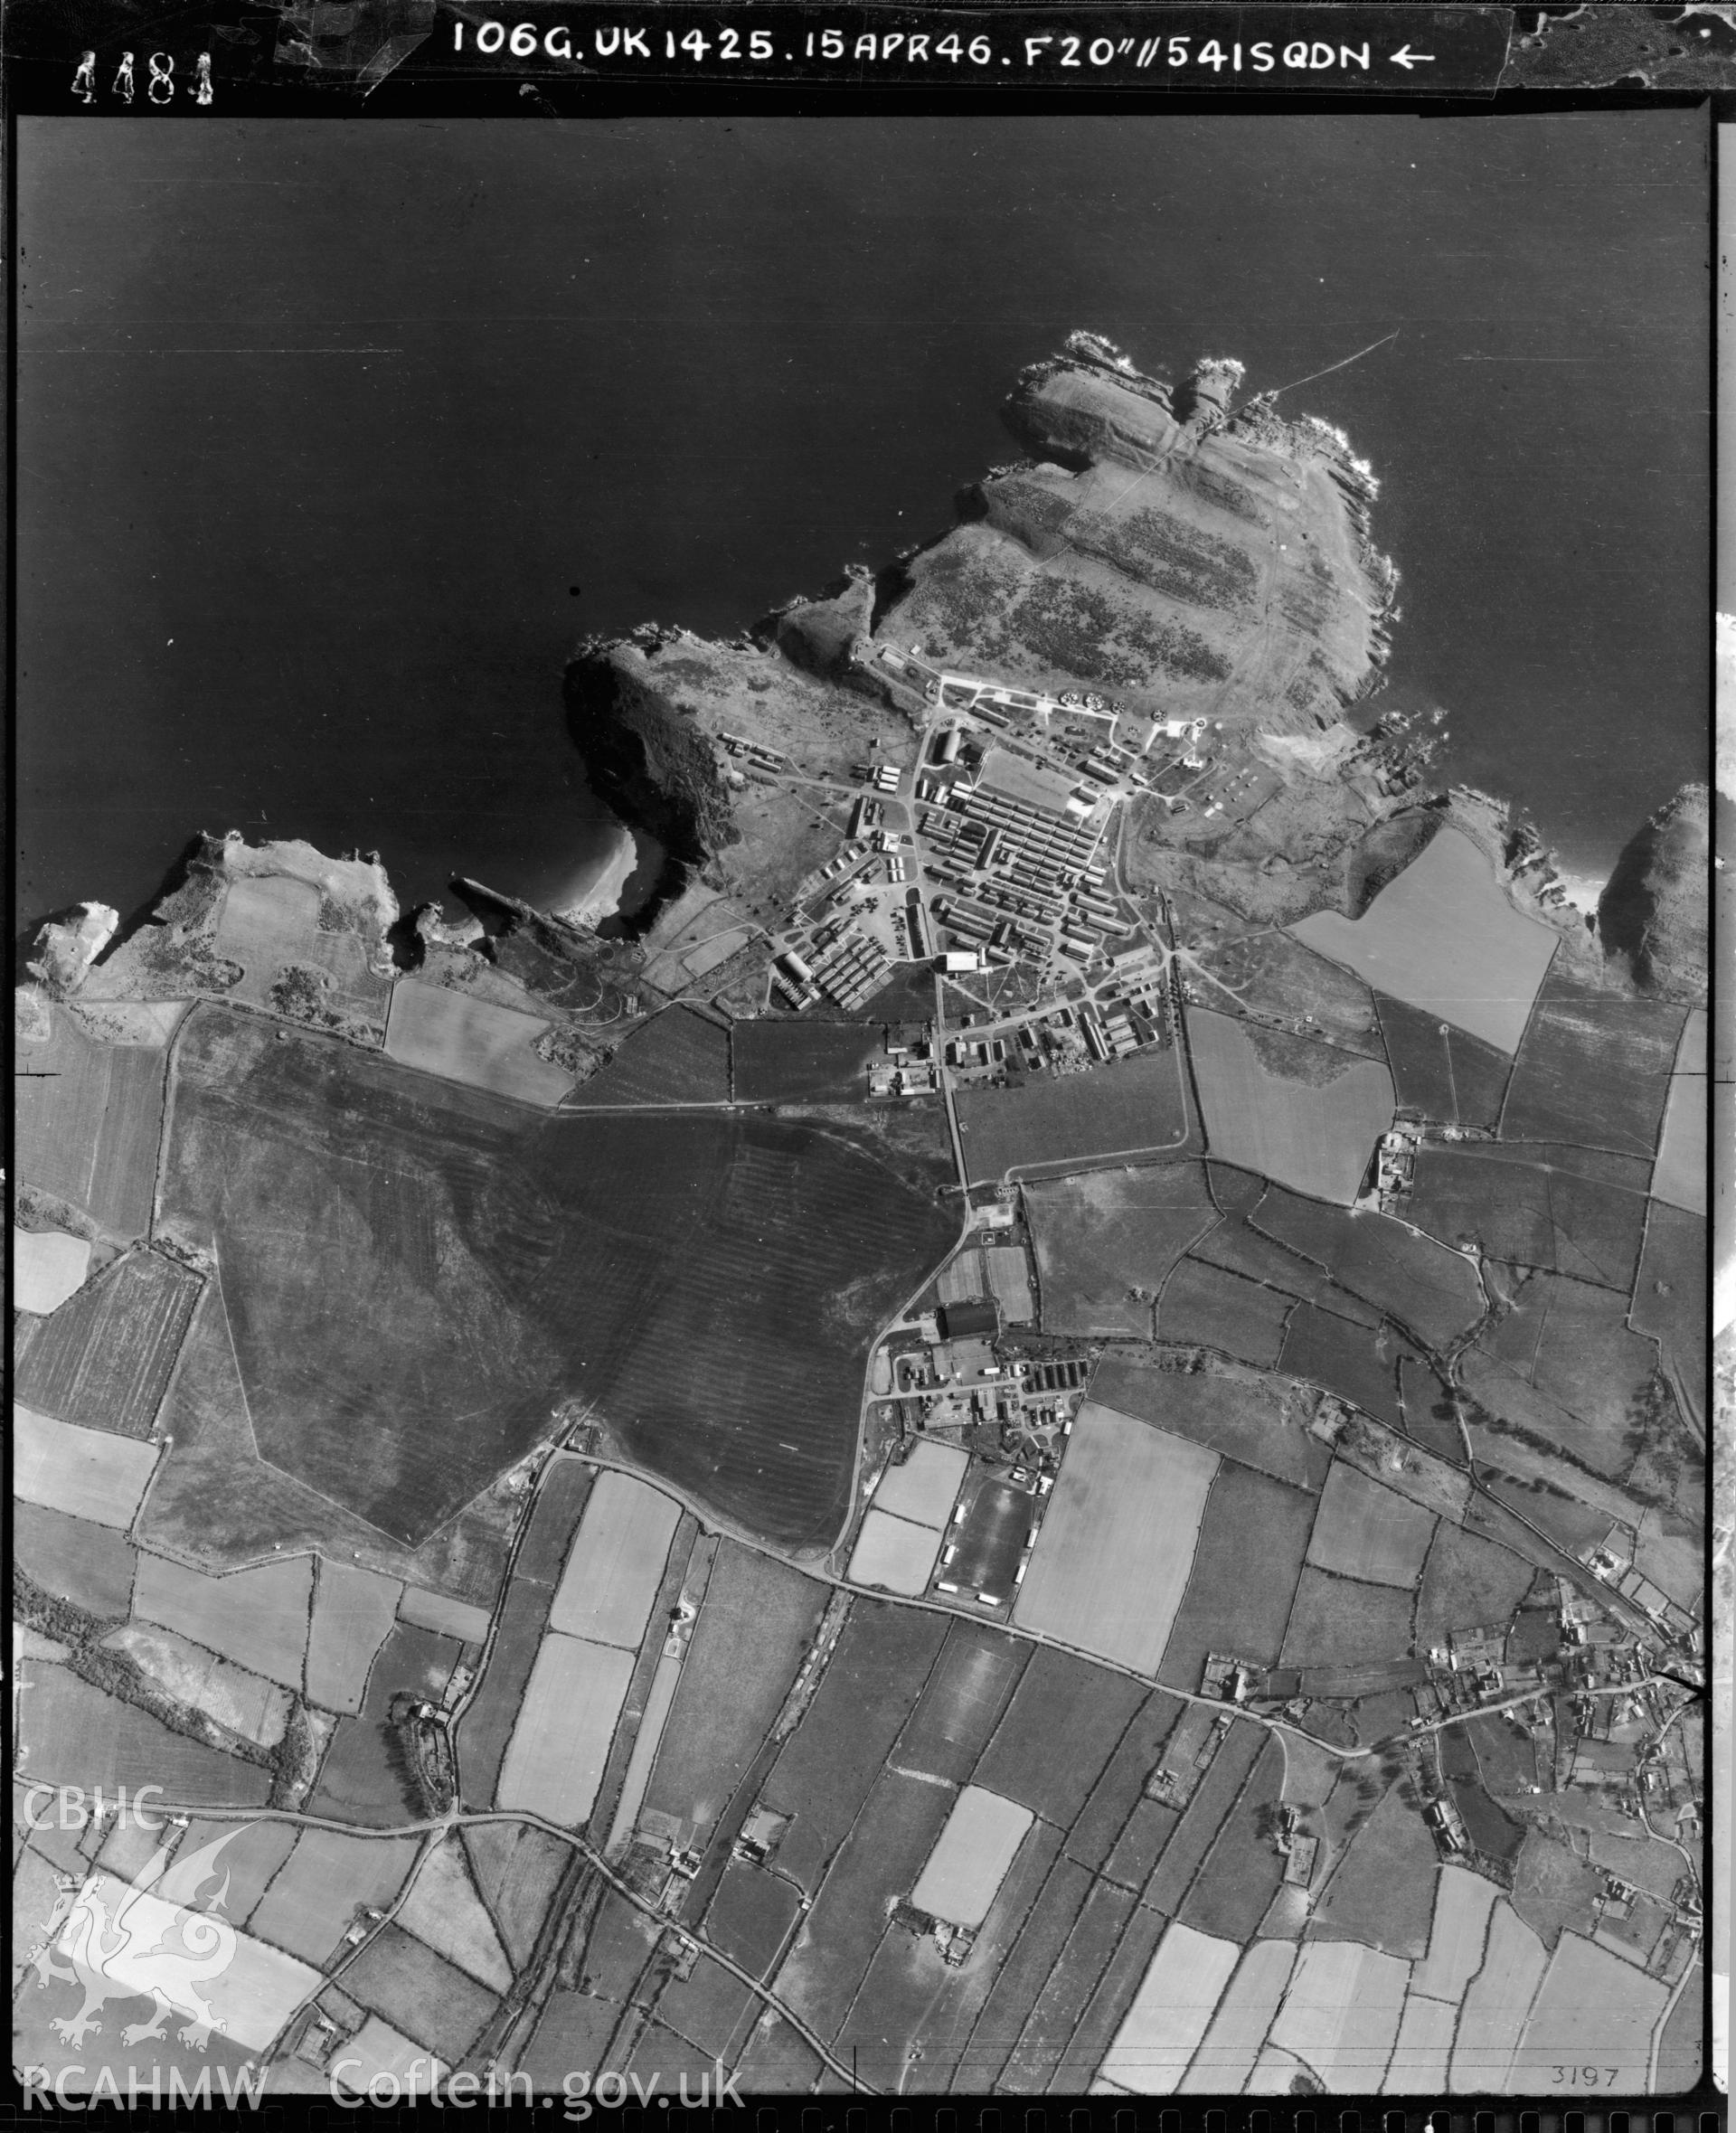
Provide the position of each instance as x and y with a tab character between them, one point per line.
118	1940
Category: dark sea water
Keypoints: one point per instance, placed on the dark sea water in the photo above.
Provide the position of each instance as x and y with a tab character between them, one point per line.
319	424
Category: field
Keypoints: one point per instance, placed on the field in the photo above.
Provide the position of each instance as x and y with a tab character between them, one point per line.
269	925
86	1119
923	1488
1593	2005
439	1611
1204	1816
1424	2045
734	1269
751	1915
1112	1559
1237	1412
1132	1107
1106	1241
561	1499
991	1539
774	2060
1054	2019
1208	1306
1440	1073
71	1734
778	1061
678	1057
1570	1341
900	1821
1058	1732
365	1775
1234	1888
517	1871
104	1358
566	1720
1316	1137
463	1039
1170	2014
1277	976
1669	1300
1108	2003
574	2031
1680	1175
1570	1211
245	1704
742	1654
91	1566
893	1554
1442	938
967	1695
1252	1543
354	1612
1342	1622
47	1267
706	2006
1492	2016
1098	1825
1382	1888
1238	1248
1595	1068
1008	1267
1366	1531
1143	1836
488	1719
1030	1967
445	1911
615	1566
1411	1278
970	1857
420	1993
257	1617
1554	1890
1457	1935
250	1857
826	1768
1359	1365
1468	1583
1341	2014
1226	2055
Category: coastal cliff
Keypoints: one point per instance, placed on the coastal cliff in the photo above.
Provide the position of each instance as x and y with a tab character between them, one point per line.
1654	914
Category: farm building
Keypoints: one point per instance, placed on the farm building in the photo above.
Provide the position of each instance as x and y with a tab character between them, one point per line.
966	1321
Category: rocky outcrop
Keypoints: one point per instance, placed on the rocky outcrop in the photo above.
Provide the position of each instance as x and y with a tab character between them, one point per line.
1653	915
818	635
66	947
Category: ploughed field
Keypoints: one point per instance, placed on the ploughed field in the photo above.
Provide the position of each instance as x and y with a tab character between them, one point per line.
417	1276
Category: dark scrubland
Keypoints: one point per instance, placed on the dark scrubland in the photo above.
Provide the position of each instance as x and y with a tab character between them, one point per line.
777	1060
105	1358
1210	1307
1443	1074
1468	1583
1411	1280
1566	1343
883	1656
91	1566
1242	1871
1594	1068
733	1271
1060	1730
1097	1828
1566	1210
1239	1596
680	1056
366	1776
1359	1365
1205	1815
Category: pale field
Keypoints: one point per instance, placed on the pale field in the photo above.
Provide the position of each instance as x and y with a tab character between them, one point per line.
554	1760
1171	2012
895	1553
1595	2009
354	1612
1227	2054
1317	1140
1442	938
1117	1545
444	1910
970	1857
1460	1928
257	1616
616	1564
86	1473
468	1040
1425	2045
923	1488
1362	1530
1492	2016
1679	1174
47	1267
1341	2015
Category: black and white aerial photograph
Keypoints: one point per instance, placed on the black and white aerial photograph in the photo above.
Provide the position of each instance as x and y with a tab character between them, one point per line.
860	1195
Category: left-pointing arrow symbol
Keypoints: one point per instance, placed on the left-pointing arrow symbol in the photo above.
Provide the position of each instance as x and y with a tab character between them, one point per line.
1407	59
